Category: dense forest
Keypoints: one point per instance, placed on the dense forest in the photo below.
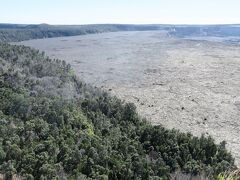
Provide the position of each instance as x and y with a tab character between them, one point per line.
54	125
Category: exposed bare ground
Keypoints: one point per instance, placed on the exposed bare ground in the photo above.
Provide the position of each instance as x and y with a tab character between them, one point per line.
189	85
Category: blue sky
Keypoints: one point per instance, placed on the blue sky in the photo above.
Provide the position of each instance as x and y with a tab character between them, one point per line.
120	11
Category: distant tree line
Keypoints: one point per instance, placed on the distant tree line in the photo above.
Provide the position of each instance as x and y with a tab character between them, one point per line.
15	32
21	32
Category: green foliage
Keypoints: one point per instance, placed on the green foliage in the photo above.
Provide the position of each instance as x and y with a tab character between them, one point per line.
54	125
227	175
221	176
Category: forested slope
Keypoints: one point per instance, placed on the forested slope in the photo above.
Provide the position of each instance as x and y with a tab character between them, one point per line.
21	32
15	32
54	125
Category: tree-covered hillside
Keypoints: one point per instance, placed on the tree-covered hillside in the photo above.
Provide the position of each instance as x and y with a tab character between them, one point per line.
54	125
21	32
15	32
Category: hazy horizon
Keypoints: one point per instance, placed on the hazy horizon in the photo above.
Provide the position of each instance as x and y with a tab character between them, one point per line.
42	23
79	12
